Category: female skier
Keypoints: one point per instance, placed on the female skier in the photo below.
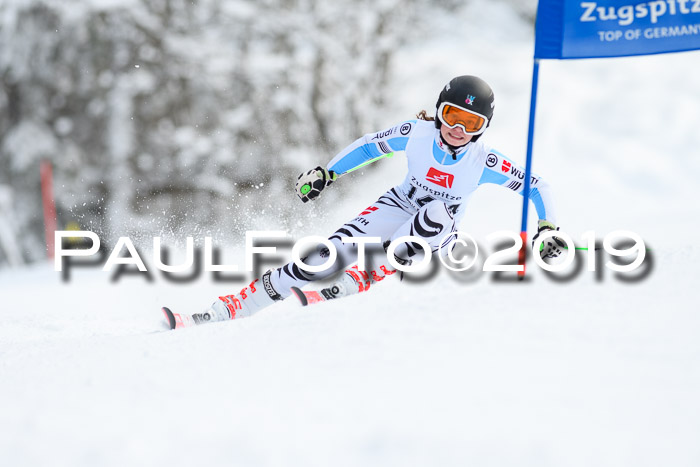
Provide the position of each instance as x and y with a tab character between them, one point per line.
446	164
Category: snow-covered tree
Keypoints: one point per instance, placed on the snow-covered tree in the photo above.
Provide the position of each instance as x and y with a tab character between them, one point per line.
172	115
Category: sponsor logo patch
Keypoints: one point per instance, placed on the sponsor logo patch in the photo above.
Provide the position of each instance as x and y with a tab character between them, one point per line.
267	285
514	171
491	160
384	134
405	129
440	178
505	167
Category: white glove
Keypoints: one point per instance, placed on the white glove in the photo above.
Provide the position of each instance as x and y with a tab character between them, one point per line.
553	246
310	184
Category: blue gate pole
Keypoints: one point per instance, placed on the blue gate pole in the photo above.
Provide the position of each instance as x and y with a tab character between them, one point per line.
528	165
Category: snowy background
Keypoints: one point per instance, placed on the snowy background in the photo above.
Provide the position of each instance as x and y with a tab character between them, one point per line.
156	118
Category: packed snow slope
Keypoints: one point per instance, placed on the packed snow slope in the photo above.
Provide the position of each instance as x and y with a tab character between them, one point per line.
595	369
448	372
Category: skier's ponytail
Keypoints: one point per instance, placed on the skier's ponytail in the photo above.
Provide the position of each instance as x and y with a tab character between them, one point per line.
423	115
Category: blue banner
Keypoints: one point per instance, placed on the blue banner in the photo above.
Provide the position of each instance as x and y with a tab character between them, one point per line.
612	28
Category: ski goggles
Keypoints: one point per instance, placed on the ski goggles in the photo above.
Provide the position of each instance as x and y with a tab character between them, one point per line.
453	116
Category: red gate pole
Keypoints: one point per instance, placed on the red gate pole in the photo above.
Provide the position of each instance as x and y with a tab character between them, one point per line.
49	206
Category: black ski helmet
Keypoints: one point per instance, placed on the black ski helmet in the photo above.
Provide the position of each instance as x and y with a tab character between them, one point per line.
469	92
